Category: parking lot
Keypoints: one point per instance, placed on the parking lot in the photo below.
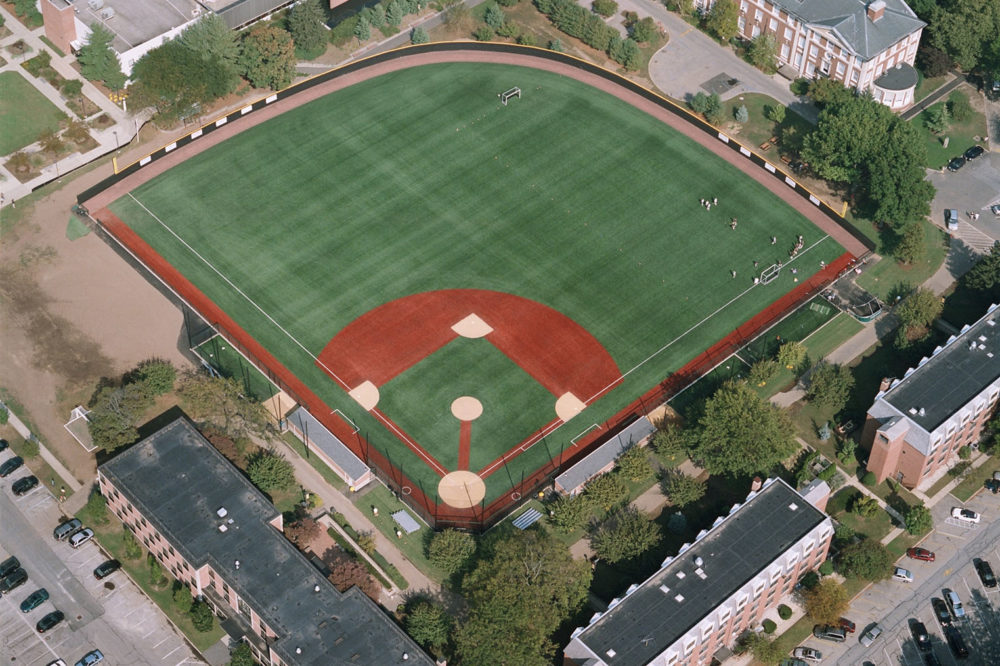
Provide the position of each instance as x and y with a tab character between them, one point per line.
894	604
112	615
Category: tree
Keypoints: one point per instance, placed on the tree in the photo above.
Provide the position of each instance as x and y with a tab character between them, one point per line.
792	354
699	102
213	40
98	61
963	29
556	45
301	532
483	33
450	550
826	602
494	16
762	648
671	444
156	577
569	513
763	371
866	559
77	131
644	30
918	520
625	534
723	19
911	243
157	374
606	8
133	549
267	57
775	113
865	506
419	36
959	107
682	489
307	25
96	508
606	491
919	309
429	624
363	29
394	13
269	470
742	434
19	162
933	62
830	386
936	119
346	572
114	413
174	79
713	110
634	464
220	401
741	113
518	596
201	616
985	274
242	656
51	142
72	88
763	53
377	16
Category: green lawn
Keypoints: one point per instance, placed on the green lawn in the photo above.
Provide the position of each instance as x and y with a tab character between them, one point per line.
420	180
926	86
794	327
973	483
24	113
960	134
833	334
419	401
874	527
413	546
888	276
758	128
221	355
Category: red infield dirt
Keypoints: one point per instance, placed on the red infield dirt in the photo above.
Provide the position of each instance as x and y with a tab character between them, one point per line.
548	373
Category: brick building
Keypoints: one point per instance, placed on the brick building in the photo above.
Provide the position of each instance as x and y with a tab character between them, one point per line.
918	423
215	532
868	46
695	607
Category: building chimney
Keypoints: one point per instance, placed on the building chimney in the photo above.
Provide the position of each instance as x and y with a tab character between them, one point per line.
876	10
756	484
884	386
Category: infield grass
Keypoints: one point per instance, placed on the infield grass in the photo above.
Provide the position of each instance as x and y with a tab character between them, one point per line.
421	180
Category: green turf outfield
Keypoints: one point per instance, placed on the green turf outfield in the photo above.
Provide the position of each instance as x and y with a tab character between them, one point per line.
421	180
514	404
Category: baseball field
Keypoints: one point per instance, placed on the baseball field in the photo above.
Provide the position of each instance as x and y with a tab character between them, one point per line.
475	285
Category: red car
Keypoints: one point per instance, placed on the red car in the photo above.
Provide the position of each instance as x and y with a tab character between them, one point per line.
846	625
920	554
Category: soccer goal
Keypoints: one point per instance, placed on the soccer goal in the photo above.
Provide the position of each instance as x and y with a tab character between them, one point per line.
509	94
770	273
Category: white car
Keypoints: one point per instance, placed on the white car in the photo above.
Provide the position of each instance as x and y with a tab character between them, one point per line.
81	537
869	636
807	653
904	575
965	515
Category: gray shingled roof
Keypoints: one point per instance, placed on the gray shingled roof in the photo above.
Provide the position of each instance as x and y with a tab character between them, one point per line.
328	443
848	19
900	77
244	12
605	454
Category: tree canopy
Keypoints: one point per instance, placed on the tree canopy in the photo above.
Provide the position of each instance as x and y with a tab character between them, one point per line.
826	602
269	470
450	550
985	275
98	61
429	624
740	433
518	596
862	143
964	29
306	25
221	402
919	309
866	559
625	534
267	57
830	385
174	80
723	19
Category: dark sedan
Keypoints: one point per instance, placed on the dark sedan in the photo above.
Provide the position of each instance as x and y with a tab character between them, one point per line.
34	600
14	579
956	163
24	485
49	621
10	466
985	572
920	635
105	569
941	612
974	152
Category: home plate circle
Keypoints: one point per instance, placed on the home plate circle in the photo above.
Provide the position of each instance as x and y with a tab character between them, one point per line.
466	408
462	489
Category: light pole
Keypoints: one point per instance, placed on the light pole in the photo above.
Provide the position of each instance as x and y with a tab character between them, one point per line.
117	145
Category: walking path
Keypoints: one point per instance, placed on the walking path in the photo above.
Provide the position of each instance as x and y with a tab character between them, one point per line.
956	80
43	451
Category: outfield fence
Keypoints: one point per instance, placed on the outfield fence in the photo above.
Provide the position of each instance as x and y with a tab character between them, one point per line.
423	500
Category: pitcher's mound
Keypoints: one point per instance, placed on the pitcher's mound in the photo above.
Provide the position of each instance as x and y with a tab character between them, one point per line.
462	489
466	408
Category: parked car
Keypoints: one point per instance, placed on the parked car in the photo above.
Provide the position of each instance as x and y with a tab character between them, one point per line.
792	662
992	485
828	632
954	603
49	621
4	444
941	612
34	600
920	635
995	209
870	635
956	163
63	530
973	153
10	466
956	642
14	579
930	659
965	515
920	554
808	654
9	565
57	662
846	625
105	569
23	485
903	575
91	658
985	572
81	537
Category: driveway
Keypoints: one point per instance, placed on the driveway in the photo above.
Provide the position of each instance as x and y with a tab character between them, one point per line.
693	62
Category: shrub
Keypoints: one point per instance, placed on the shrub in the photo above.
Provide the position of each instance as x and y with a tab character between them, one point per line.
644	30
555	45
960	469
784	612
201	616
965	452
865	506
741	113
30	448
450	549
827	472
366	541
157	374
810	580
606	8
270	471
868	479
699	103
4	415
826	568
959	107
419	36
156	577
72	88
483	33
133	549
769	626
775	113
97	508
714	113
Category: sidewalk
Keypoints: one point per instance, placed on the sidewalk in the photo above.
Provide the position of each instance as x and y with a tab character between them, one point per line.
43	451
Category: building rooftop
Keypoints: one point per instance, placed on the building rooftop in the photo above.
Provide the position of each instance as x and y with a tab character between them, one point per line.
135	22
239	13
900	77
849	20
648	620
605	454
180	484
328	443
952	376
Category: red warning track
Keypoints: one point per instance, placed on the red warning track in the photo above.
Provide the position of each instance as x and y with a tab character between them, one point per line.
557	352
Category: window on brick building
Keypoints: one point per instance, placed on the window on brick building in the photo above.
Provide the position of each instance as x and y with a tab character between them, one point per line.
773	25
